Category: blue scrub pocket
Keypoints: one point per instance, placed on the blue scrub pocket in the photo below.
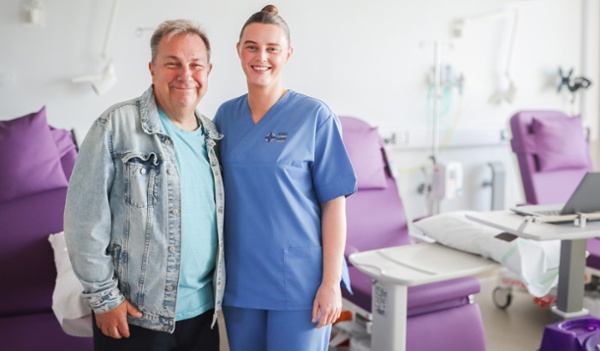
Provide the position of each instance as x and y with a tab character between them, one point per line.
303	275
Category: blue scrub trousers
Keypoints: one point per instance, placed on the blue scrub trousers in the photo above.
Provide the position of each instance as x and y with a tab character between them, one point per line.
271	330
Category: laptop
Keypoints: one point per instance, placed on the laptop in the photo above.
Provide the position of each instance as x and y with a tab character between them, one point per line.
585	199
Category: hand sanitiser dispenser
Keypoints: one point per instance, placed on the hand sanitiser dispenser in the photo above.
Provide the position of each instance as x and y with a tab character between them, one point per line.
447	180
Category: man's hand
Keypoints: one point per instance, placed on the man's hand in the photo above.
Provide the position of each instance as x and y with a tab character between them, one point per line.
114	322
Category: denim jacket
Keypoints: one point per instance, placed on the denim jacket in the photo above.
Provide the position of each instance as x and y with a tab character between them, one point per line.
122	216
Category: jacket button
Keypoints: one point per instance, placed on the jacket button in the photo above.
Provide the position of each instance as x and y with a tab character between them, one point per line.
171	248
170	171
169	287
175	211
220	209
167	142
143	171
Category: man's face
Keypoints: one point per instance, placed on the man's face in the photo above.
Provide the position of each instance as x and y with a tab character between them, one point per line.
180	72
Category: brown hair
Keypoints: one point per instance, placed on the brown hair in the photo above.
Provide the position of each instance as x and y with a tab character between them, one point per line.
172	28
268	15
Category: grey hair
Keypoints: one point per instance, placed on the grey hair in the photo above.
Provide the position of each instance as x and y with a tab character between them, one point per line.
171	28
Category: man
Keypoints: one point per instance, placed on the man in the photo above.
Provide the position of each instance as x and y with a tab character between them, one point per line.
144	212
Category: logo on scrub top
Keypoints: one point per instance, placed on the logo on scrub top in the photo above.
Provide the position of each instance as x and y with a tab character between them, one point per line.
279	137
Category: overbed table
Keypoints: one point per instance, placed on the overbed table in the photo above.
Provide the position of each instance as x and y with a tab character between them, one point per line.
569	303
394	269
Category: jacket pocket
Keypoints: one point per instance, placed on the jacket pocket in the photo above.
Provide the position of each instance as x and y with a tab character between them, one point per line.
141	172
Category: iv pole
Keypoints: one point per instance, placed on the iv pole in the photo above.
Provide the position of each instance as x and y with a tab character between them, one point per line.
437	95
433	202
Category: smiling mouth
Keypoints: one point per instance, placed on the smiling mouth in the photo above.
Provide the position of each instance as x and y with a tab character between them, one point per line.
184	88
260	68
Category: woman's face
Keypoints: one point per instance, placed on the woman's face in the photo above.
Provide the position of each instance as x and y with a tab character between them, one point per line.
263	50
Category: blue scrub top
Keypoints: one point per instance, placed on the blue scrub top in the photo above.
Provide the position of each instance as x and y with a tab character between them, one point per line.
277	173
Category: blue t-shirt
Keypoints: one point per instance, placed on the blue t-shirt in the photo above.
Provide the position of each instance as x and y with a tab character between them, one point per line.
277	173
198	220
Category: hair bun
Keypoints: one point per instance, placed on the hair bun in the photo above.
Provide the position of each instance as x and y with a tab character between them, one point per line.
270	8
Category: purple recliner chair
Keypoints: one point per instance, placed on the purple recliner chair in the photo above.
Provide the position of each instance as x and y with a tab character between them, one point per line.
440	315
553	156
28	271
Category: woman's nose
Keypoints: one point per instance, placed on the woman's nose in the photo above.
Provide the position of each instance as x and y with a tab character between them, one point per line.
263	55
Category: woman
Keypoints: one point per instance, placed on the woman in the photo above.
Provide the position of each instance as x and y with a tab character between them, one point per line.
287	175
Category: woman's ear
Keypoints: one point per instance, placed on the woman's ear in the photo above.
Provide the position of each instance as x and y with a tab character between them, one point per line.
289	53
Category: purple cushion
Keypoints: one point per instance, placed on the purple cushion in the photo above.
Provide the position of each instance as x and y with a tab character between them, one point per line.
593	247
30	158
26	257
366	154
560	143
562	185
459	328
422	299
67	149
39	332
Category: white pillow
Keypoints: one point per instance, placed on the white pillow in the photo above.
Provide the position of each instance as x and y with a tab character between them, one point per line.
535	262
71	310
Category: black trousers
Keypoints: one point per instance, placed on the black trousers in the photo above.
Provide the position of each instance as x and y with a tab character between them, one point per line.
192	334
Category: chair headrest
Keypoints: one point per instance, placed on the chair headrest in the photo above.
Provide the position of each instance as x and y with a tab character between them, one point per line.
365	148
557	140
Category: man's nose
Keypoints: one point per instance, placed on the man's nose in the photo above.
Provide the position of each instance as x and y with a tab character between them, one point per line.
186	72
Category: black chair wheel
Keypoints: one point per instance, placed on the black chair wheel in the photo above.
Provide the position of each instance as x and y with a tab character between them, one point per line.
502	297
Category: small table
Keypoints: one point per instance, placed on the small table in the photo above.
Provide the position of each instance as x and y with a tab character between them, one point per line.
394	269
569	303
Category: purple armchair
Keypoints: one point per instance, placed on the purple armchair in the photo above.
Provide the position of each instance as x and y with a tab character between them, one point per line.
439	314
28	271
553	156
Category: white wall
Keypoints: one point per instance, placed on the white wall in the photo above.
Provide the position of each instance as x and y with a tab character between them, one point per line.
368	59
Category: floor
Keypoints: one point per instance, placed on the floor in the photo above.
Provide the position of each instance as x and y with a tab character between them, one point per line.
517	328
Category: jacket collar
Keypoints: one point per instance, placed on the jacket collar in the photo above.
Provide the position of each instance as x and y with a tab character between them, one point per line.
150	120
